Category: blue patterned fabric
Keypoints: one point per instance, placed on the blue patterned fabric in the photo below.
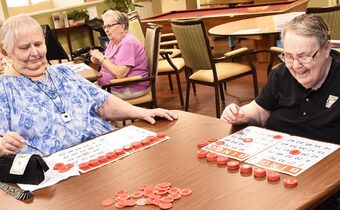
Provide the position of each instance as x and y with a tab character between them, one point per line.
33	109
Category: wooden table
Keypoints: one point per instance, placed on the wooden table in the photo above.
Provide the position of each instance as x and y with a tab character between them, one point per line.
263	30
175	161
216	16
90	74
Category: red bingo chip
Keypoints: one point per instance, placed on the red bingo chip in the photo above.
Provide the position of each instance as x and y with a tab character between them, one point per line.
127	148
111	155
94	162
246	169
163	205
145	142
212	139
152	139
160	135
120	192
233	165
137	194
294	152
108	202
273	176
247	140
136	145
277	137
130	202
202	153
259	173
222	160
186	192
220	143
202	143
103	159
84	166
211	157
58	166
290	182
120	204
119	151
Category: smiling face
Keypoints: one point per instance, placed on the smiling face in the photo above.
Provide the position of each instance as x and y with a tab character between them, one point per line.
28	56
313	73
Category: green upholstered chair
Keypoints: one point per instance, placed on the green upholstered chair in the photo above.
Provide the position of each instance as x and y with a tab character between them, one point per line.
332	17
196	52
169	64
152	40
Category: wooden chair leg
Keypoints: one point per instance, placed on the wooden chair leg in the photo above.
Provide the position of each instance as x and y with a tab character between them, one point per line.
187	96
217	101
179	87
222	92
256	87
170	83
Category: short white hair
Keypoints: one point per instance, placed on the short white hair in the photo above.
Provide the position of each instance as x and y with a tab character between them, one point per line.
14	28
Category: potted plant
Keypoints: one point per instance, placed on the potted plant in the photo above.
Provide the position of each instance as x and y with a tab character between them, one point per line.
124	5
76	17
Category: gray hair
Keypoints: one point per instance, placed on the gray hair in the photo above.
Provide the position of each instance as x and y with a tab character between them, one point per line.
14	28
308	25
119	17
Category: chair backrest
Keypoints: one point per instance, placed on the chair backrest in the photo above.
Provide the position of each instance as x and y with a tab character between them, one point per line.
331	15
152	42
193	43
135	26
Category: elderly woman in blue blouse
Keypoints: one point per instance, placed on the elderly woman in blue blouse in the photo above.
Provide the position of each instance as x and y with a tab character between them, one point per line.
44	109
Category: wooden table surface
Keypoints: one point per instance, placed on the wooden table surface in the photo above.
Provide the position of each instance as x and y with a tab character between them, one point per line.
90	74
270	24
175	161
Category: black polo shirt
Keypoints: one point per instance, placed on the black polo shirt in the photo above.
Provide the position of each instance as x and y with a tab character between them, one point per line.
303	112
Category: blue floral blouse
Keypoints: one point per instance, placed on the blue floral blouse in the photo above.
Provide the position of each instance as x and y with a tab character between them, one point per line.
34	110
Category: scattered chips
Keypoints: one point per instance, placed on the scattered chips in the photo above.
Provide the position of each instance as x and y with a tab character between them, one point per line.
161	195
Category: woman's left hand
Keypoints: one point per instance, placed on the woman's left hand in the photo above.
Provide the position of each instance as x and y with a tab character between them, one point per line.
150	115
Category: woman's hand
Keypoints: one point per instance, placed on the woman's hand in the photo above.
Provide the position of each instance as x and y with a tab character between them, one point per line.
149	115
11	142
96	56
232	114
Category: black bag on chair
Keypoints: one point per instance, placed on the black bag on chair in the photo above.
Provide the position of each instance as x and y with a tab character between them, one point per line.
34	172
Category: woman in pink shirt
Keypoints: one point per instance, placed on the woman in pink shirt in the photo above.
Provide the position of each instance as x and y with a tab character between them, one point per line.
124	57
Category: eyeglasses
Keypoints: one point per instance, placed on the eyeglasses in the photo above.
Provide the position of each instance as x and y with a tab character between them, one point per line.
108	26
303	59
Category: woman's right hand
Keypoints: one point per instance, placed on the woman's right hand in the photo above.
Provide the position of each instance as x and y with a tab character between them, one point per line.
233	114
11	142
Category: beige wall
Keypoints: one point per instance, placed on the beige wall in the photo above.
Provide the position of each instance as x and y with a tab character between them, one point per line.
29	9
171	5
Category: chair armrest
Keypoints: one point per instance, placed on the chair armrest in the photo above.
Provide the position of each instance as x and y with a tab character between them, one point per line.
233	54
124	80
276	49
167	35
168	43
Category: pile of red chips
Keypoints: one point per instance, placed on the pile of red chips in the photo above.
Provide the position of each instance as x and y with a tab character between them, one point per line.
245	169
161	195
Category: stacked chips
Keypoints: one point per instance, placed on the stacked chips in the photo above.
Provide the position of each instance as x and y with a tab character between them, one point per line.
245	169
161	195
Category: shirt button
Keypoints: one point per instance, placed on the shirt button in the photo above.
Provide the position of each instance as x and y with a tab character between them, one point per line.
307	99
304	113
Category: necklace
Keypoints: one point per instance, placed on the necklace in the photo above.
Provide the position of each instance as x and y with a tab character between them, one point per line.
52	95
